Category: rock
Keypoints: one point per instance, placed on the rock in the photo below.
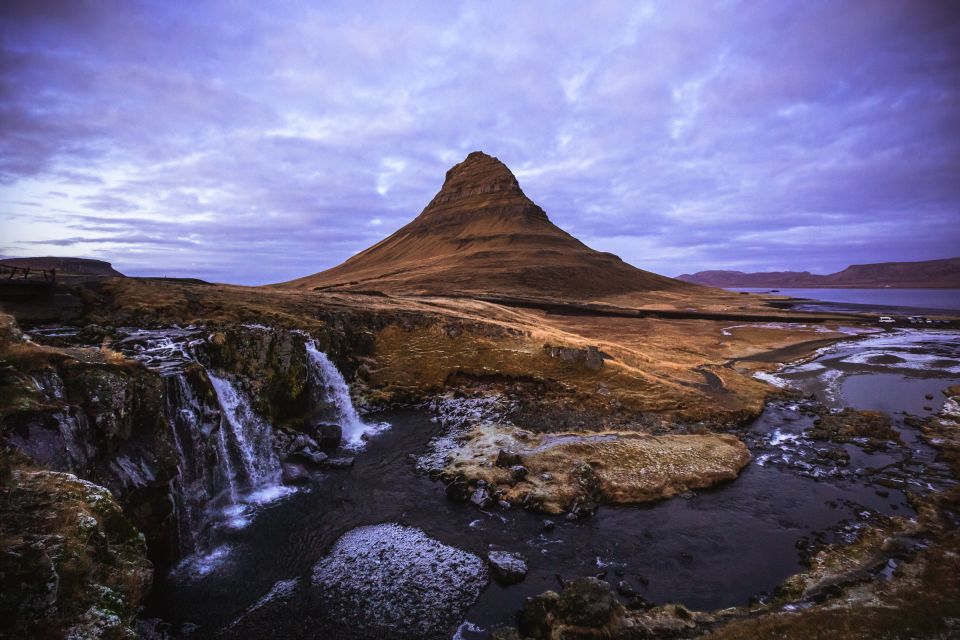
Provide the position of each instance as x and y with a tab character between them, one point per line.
535	617
396	582
508	568
503	504
929	396
329	435
638	603
311	456
481	497
549	525
71	564
457	490
593	359
626	589
508	459
293	473
340	462
587	602
505	633
518	472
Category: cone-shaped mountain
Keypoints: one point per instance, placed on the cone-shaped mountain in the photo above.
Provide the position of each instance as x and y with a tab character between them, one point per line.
481	235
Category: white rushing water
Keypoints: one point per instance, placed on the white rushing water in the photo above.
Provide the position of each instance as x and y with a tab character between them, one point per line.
249	434
330	388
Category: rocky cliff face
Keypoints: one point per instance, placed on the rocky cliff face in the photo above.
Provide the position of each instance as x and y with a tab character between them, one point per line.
170	424
72	565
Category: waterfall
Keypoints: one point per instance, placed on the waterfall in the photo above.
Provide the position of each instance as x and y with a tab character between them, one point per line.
222	454
329	388
250	435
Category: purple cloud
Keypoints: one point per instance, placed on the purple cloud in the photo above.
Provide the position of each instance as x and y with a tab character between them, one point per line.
256	144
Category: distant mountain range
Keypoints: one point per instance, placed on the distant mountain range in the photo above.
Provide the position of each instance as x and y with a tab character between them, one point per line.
74	266
928	274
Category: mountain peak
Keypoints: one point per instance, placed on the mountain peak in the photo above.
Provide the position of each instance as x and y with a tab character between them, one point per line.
478	175
480	235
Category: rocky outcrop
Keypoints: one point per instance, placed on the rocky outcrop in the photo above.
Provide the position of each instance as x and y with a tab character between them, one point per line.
871	429
588	608
97	415
71	564
574	472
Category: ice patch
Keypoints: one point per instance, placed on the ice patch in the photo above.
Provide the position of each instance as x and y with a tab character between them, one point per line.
467	627
770	378
397	582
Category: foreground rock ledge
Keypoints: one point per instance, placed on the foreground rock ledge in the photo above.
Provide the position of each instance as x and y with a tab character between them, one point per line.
573	472
71	564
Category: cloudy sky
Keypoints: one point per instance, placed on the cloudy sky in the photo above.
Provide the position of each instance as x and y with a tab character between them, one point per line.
256	142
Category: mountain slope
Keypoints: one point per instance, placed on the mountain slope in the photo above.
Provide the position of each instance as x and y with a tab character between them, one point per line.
940	274
481	235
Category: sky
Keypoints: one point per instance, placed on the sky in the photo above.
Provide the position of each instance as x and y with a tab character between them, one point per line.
255	142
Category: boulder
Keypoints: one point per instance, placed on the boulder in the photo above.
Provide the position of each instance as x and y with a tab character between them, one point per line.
507	459
396	582
481	496
587	602
508	568
518	472
293	473
328	435
340	462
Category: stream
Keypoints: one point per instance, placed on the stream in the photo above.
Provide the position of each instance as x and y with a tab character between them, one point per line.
708	549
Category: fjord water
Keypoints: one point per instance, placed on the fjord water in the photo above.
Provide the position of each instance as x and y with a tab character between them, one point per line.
927	299
708	549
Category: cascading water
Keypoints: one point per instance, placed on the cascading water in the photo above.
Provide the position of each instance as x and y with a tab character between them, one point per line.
248	434
330	389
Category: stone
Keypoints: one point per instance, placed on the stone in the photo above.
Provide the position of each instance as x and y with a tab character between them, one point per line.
293	473
587	602
518	472
549	525
340	462
329	435
481	497
457	490
508	568
626	589
534	618
508	459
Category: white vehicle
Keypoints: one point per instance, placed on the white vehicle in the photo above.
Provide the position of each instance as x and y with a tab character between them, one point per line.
886	320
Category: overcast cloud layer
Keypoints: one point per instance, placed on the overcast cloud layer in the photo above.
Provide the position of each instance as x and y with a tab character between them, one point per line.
263	142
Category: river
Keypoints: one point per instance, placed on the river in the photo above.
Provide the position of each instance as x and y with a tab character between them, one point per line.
707	549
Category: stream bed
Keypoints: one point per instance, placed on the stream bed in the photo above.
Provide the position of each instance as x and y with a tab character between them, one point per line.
709	549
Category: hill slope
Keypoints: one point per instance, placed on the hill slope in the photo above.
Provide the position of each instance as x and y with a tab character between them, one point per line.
481	235
940	274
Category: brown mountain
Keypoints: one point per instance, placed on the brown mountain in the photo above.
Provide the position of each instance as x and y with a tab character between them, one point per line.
480	235
73	266
928	274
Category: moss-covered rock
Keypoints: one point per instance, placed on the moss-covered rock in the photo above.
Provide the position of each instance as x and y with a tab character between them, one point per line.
72	565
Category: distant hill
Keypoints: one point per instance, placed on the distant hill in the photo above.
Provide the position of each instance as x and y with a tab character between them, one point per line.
481	235
928	274
73	266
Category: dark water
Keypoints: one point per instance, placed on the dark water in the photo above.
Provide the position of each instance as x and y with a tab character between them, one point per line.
708	549
945	299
